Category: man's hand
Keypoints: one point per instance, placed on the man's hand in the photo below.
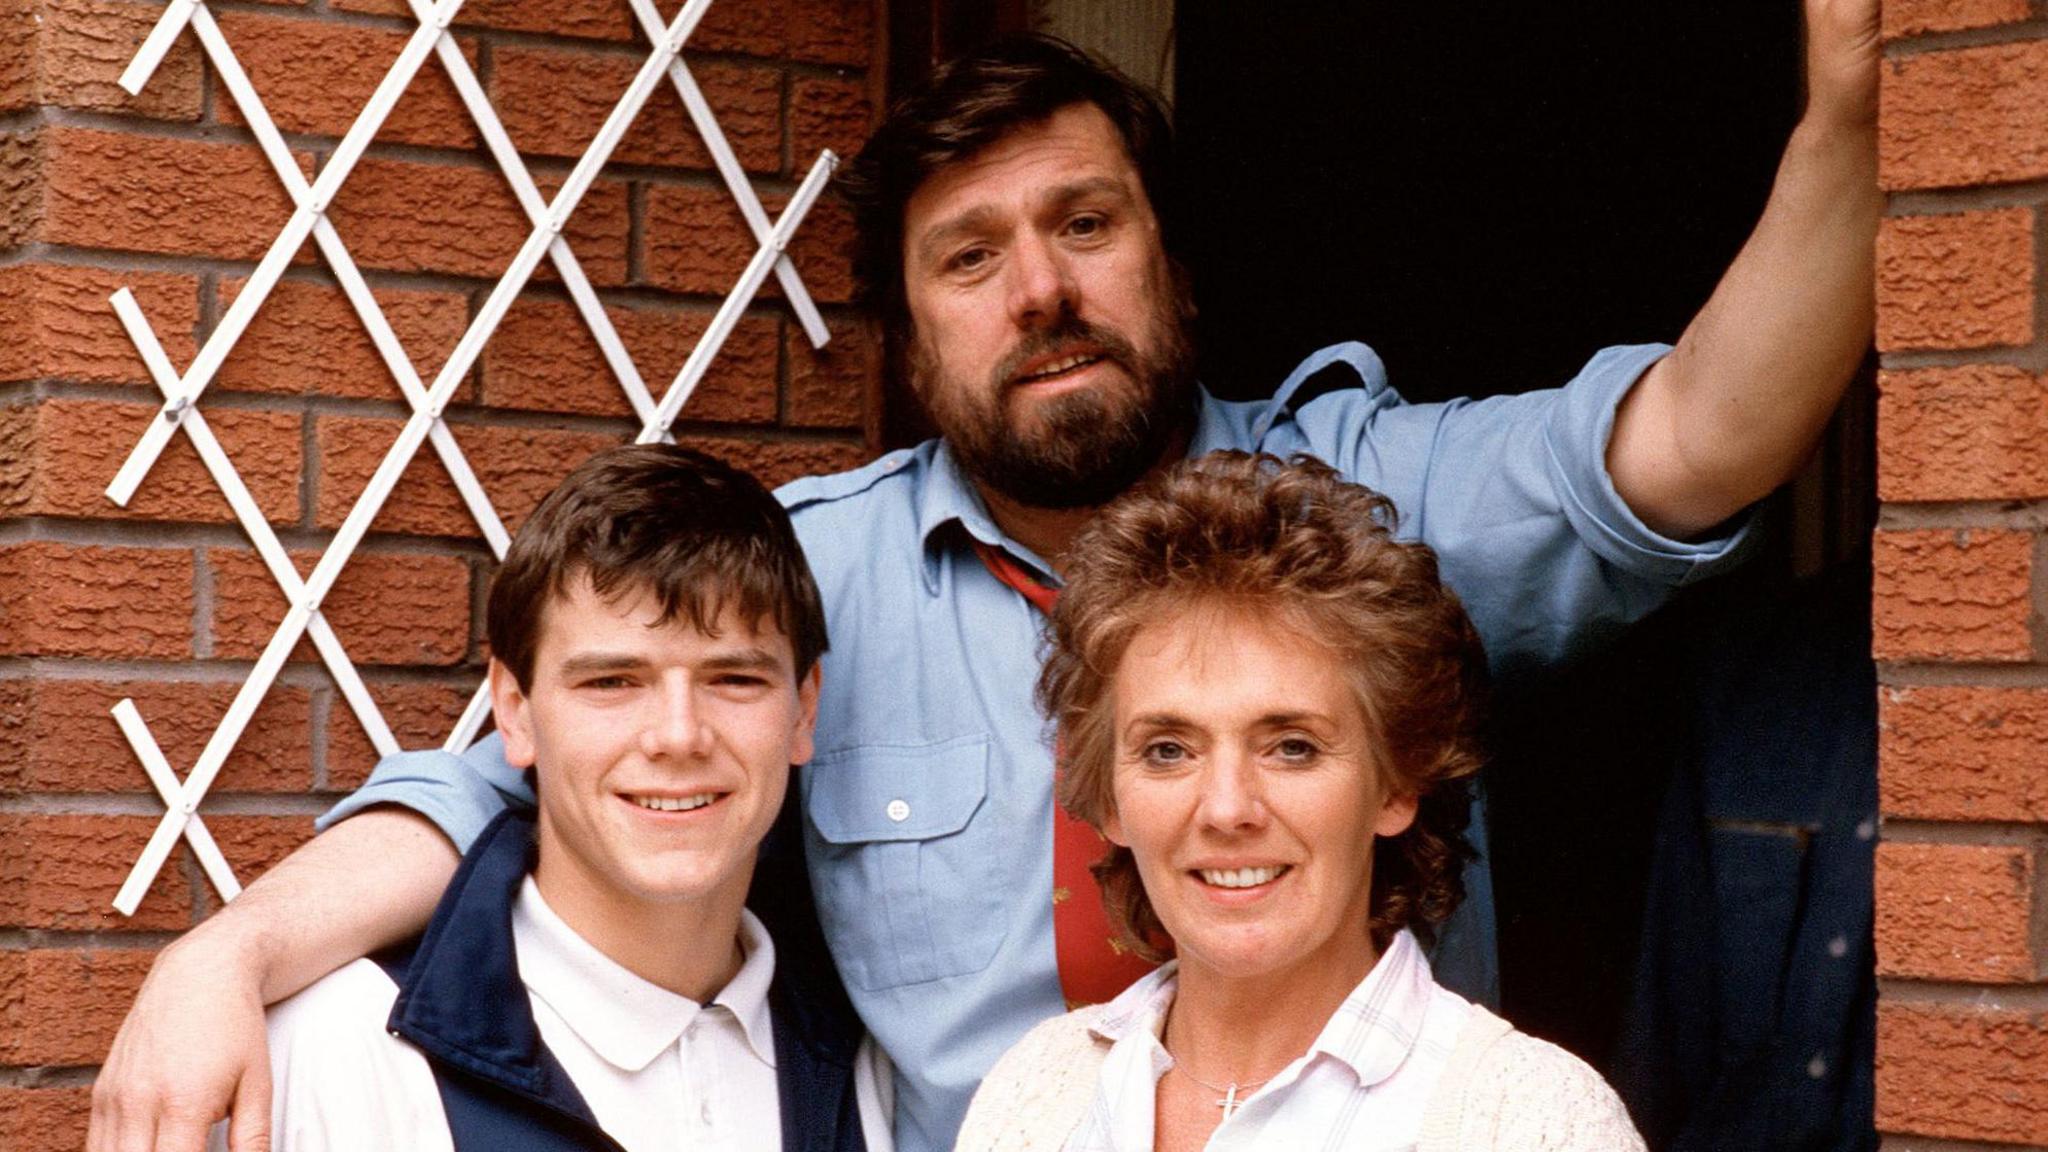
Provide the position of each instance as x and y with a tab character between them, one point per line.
194	1048
191	1051
1843	48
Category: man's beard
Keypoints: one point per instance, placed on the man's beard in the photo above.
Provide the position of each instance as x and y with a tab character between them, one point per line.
1083	448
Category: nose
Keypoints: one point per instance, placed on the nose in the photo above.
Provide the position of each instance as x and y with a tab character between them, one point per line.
1233	794
674	727
1040	281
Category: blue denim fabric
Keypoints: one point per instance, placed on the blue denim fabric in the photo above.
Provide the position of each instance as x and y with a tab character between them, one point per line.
941	919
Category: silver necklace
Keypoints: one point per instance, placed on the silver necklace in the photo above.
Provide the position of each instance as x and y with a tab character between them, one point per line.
1230	1102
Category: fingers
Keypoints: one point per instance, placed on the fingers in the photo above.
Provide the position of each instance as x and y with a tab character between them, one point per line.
249	1123
182	1129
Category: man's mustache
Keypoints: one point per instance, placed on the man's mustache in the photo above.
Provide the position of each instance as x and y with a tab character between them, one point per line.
1070	335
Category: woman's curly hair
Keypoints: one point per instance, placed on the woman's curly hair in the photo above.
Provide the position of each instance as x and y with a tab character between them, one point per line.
1294	542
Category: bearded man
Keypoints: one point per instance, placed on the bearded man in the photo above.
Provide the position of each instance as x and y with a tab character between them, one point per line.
1012	246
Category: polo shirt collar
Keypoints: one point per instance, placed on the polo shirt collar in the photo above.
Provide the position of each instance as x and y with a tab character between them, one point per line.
626	1019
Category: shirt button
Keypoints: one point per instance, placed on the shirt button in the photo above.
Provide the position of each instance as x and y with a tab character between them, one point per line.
898	810
1838	947
1817	1067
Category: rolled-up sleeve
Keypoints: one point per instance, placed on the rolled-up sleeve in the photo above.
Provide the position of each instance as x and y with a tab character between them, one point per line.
459	793
1513	494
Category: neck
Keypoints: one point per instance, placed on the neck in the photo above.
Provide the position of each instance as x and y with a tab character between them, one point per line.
1244	1030
690	948
1050	531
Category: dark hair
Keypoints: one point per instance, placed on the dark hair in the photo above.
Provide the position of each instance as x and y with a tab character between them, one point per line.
701	534
1299	545
969	104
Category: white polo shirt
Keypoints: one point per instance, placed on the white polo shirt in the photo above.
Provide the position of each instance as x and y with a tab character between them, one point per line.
660	1072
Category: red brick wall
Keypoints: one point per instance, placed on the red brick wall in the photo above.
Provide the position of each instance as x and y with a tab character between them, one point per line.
1960	636
165	602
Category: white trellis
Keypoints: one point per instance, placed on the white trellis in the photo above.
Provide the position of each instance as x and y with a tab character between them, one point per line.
547	218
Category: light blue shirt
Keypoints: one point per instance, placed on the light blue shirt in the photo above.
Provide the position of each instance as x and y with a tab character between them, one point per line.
929	802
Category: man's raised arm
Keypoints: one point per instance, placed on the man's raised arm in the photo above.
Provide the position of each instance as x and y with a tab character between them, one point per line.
192	1048
1736	407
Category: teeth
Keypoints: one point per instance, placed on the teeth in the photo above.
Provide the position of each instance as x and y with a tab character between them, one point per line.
1059	366
1241	877
675	803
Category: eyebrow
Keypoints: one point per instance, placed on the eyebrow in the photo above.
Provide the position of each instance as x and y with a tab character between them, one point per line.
740	660
980	217
1157	720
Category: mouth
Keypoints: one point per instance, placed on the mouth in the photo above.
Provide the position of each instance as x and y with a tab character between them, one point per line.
1242	878
1059	368
654	803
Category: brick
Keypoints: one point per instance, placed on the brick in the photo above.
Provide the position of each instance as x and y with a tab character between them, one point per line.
151	194
62	736
832	31
61	326
1963	753
1956	912
1962	1071
1919	17
87	44
544	358
66	1004
828	112
95	603
831	387
253	845
20	85
61	872
386	607
553	99
776	462
316	76
419	715
1963	281
591	19
695	240
307	340
1951	595
44	1119
516	466
23	197
1949	119
756	28
402	216
1972	433
79	445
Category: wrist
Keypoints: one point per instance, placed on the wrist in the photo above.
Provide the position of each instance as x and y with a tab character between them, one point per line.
226	948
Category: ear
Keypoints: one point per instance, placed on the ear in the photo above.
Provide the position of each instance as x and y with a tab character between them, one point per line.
1113	829
1397	814
803	746
515	718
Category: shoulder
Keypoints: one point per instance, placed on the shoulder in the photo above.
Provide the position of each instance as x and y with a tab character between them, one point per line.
1036	1094
886	471
1508	1089
340	1080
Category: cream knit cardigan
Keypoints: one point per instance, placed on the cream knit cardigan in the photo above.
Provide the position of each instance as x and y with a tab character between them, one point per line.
1501	1090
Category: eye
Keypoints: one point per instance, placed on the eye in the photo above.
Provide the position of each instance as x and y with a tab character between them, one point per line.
968	260
611	683
1086	226
1296	749
1164	753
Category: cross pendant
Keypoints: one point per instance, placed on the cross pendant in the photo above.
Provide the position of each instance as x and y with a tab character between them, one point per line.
1229	1103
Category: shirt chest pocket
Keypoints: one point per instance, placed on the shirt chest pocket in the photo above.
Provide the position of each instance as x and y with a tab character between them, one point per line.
903	858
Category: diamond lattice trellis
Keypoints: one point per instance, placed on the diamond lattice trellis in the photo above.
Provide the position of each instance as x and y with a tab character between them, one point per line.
181	392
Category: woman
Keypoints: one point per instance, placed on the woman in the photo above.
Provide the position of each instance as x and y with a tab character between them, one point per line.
1260	698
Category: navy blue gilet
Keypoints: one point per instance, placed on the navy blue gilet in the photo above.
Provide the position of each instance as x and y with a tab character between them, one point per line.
461	1003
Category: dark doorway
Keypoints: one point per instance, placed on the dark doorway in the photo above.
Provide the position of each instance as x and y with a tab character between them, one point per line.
1487	194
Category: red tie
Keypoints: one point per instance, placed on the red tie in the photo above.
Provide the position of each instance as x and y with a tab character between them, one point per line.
1094	964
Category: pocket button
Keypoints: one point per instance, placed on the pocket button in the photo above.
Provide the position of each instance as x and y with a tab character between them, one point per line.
898	810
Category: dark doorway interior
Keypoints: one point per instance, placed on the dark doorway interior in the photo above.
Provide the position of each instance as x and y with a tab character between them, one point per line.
1487	194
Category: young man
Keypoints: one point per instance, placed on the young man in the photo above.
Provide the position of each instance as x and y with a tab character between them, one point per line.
1015	245
591	978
